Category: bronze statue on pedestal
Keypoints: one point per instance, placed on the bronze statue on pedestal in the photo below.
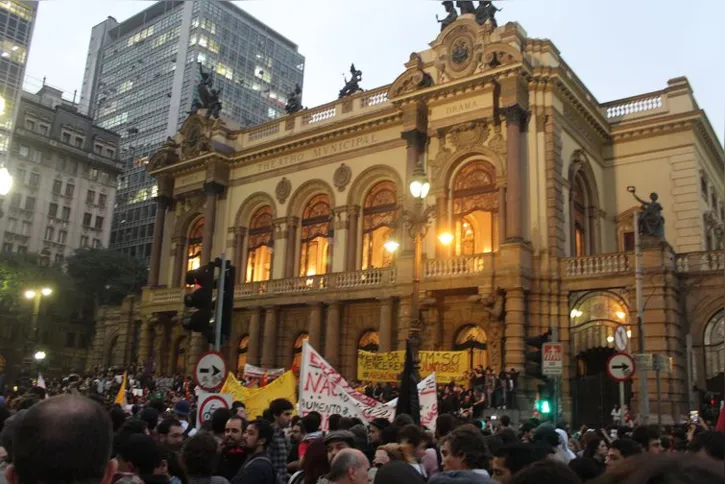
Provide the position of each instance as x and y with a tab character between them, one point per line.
651	221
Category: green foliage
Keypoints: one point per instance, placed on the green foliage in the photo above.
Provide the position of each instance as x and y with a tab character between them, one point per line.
104	276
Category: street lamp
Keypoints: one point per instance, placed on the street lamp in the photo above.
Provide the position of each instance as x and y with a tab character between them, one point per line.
36	295
39	356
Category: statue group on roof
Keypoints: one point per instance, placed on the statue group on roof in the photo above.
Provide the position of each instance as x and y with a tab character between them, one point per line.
485	12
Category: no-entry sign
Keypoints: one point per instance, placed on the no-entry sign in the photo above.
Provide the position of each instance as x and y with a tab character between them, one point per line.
208	402
210	371
620	367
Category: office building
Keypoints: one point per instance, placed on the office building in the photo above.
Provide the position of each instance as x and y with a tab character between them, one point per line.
140	80
17	19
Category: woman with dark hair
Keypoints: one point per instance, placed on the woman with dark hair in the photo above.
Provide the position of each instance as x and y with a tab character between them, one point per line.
597	450
314	464
200	458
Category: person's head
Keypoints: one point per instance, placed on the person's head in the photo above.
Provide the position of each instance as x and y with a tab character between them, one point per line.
333	422
312	422
64	439
527	431
219	419
403	420
345	423
398	472
140	455
297	431
388	453
171	433
350	466
464	449
413	439
597	449
671	468
315	463
182	409
505	420
585	468
258	436
377	425
649	438
445	424
151	417
239	409
233	431
118	416
338	440
510	459
710	444
620	450
281	410
545	472
199	455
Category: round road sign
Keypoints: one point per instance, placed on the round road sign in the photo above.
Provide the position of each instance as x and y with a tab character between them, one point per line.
620	338
620	367
210	371
211	403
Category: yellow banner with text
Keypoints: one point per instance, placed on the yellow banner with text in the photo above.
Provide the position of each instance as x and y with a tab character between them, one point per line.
386	367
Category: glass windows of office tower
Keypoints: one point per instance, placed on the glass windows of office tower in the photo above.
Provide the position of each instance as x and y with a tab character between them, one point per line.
193	251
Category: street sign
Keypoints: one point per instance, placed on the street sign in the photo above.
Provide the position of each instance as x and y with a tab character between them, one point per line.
620	338
210	371
551	359
644	361
620	367
662	363
208	402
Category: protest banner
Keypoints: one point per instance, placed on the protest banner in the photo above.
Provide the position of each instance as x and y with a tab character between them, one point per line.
256	400
251	371
386	367
324	390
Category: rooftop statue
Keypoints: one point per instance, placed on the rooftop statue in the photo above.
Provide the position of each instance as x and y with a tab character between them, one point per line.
486	11
206	96
450	18
353	85
294	100
651	221
466	7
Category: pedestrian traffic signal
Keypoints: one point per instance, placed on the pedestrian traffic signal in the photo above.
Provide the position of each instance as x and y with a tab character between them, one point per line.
533	358
201	299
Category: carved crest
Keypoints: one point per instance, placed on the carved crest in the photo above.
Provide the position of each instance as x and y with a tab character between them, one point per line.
342	176
283	190
195	138
412	79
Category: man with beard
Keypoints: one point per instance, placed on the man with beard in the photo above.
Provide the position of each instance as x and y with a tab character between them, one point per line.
233	455
258	469
171	433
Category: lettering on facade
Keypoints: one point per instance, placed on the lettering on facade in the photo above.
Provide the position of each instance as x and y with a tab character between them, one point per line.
191	179
461	107
326	150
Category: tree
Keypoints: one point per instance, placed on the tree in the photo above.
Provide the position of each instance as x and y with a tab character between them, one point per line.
105	276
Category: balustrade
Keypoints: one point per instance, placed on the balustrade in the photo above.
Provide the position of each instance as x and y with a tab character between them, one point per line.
597	265
467	264
700	262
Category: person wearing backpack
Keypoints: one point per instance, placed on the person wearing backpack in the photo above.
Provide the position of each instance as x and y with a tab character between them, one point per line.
258	468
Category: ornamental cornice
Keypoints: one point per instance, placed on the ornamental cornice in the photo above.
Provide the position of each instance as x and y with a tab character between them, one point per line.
654	127
451	89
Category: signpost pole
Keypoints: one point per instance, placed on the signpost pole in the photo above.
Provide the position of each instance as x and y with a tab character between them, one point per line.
219	306
557	379
638	277
658	372
621	403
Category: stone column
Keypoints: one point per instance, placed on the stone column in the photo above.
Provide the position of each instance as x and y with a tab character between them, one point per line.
279	256
240	253
197	345
144	344
515	119
270	337
341	239
315	325
179	259
404	315
163	203
386	325
254	337
159	346
289	267
332	334
353	221
514	328
501	193
212	191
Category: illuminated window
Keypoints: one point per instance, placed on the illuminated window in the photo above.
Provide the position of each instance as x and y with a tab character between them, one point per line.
475	209
297	349
193	251
17	9
369	341
594	318
714	342
473	340
379	211
125	86
579	217
242	355
224	70
139	36
259	246
263	74
314	247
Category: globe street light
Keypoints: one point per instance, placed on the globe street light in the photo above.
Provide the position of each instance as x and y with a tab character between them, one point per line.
39	356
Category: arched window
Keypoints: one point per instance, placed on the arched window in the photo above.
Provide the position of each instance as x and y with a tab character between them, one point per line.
369	341
378	218
242	355
259	245
580	217
297	349
180	364
315	236
714	343
193	250
475	209
473	339
593	320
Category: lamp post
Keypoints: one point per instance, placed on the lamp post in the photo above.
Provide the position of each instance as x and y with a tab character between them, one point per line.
417	222
36	295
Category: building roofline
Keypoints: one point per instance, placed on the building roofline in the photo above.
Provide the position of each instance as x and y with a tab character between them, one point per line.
69	109
257	23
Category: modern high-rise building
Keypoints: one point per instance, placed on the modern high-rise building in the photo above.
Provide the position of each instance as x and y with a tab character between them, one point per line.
140	81
16	29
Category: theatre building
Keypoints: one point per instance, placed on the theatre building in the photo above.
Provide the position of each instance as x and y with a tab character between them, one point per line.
530	174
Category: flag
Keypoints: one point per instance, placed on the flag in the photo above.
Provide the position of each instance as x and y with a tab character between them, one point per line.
265	378
408	399
121	395
257	400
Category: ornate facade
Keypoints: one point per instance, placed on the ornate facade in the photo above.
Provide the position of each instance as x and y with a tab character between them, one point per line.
528	171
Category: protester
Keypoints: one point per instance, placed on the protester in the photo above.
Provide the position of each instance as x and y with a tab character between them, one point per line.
199	457
510	459
397	472
258	468
171	433
649	438
314	465
709	444
232	452
278	447
665	468
465	449
338	440
350	466
547	471
620	450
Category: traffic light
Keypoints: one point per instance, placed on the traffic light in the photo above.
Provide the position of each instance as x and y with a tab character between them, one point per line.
228	300
546	397
200	299
533	358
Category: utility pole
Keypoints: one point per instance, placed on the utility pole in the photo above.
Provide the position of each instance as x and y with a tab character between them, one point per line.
638	276
219	305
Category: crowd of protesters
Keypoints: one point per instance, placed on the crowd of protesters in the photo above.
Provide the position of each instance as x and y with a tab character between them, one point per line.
82	437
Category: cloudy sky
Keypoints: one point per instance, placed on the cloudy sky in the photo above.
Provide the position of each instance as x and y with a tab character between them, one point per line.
617	48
